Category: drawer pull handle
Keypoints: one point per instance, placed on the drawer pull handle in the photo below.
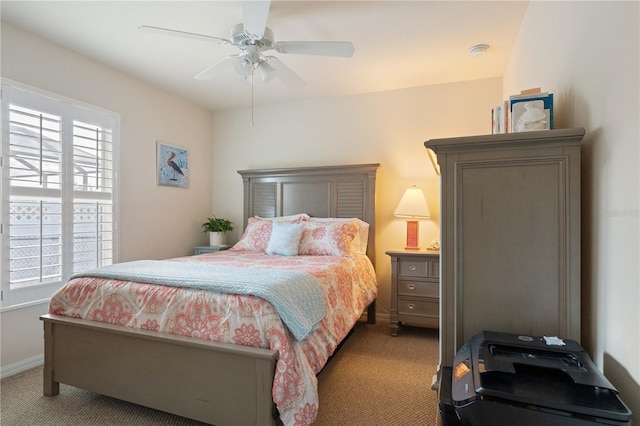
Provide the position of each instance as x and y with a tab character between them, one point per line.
412	268
411	287
411	306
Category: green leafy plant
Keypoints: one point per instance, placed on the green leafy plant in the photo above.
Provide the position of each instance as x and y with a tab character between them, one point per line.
215	224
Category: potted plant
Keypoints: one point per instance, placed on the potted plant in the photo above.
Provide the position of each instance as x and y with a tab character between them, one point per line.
217	229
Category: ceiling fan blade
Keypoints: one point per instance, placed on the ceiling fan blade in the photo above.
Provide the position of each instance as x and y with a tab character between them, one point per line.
213	71
322	48
183	34
285	73
255	14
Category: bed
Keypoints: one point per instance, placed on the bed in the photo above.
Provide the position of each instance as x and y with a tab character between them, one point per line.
207	380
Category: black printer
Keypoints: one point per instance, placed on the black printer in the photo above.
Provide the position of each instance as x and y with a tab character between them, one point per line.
509	379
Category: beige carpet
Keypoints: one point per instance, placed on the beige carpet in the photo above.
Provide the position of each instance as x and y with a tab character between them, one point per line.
375	379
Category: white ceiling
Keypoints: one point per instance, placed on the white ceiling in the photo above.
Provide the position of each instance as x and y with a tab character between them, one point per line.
398	44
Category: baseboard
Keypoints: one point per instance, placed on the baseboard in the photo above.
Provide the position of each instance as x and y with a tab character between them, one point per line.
382	316
20	366
379	316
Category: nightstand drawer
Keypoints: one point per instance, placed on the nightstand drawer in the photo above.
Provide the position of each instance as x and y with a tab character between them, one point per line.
418	288
418	268
418	308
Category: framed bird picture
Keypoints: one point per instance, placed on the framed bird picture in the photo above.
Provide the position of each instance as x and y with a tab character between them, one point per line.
173	165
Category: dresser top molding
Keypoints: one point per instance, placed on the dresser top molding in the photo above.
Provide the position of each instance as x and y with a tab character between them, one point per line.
560	137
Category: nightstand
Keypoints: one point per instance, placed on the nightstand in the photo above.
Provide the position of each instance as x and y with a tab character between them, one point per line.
210	249
415	289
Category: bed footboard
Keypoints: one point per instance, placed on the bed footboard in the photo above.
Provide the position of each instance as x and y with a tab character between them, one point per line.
211	382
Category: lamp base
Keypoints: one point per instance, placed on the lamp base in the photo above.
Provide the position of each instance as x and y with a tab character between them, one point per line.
412	235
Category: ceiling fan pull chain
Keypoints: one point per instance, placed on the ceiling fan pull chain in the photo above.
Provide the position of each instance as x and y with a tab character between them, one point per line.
252	95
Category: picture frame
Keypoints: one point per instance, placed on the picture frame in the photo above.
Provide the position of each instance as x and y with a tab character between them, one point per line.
172	163
531	112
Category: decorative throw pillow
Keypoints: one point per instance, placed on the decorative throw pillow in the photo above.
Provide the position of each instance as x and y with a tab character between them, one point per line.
256	236
285	238
258	232
328	239
361	241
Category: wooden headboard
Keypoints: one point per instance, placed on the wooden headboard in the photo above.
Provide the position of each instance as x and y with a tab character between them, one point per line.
328	191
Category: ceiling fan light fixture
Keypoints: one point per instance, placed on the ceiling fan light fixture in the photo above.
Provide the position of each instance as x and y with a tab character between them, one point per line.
243	66
266	71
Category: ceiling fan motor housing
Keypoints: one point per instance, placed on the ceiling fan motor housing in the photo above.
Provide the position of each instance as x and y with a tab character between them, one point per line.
240	37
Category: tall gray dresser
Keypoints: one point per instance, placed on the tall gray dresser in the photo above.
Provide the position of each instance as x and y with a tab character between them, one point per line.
510	235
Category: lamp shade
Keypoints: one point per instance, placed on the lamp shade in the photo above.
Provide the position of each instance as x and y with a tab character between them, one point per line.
413	204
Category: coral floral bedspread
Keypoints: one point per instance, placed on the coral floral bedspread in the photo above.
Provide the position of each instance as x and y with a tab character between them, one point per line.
348	284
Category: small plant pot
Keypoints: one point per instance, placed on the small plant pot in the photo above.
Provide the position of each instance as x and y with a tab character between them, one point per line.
217	238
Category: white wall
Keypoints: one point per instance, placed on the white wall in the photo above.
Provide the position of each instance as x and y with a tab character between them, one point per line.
155	222
586	53
389	128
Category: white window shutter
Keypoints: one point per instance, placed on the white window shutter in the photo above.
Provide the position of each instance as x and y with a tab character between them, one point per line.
59	216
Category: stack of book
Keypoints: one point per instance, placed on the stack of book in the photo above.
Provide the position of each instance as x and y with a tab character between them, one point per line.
528	111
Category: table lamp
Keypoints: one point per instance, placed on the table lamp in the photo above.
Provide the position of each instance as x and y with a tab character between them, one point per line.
413	206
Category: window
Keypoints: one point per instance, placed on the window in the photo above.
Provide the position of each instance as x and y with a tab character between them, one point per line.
58	169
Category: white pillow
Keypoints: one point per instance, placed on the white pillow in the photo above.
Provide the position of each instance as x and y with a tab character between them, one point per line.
361	241
285	238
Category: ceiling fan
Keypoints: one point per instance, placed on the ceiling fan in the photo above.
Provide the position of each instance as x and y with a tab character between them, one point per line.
253	37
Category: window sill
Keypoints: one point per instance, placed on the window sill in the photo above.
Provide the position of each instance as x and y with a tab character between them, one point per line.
24	305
